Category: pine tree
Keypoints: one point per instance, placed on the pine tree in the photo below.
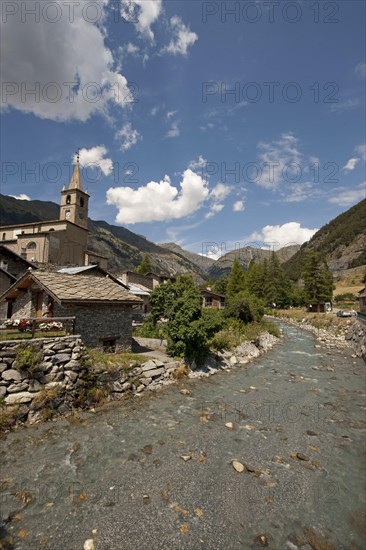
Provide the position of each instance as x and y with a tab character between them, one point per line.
145	266
237	279
318	280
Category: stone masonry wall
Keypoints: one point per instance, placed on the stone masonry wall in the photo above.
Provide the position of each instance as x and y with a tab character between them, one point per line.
96	323
357	338
58	367
64	379
22	307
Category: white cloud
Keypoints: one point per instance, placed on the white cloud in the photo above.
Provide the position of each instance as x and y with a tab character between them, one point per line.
345	105
238	206
197	164
280	160
170	114
159	201
183	37
71	78
142	13
347	197
351	164
174	130
220	192
21	197
95	157
282	235
154	111
361	150
214	209
298	192
360	69
129	136
129	49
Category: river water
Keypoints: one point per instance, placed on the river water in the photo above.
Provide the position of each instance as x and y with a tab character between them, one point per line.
117	476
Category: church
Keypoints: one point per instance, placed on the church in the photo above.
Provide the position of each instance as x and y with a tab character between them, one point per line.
61	242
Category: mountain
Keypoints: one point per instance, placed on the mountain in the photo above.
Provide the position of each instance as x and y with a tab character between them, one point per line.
342	242
123	248
203	262
245	255
14	211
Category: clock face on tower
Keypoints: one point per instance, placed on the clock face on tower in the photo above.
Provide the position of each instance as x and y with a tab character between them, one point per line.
67	214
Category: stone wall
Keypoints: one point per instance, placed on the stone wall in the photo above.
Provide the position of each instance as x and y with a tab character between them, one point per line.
62	379
22	307
357	338
98	323
134	277
53	364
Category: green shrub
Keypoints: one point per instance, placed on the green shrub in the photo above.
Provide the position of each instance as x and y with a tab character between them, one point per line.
28	359
151	330
245	307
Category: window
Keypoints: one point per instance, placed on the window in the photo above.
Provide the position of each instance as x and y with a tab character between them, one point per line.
68	199
109	345
4	236
81	202
31	246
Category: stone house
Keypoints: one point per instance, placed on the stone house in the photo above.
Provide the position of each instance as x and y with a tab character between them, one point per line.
149	281
12	266
212	299
144	293
362	299
102	307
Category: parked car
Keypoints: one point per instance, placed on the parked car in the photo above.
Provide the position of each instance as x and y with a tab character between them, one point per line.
346	313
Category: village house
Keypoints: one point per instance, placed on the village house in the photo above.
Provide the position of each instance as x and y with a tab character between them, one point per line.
12	266
57	242
212	299
149	281
102	307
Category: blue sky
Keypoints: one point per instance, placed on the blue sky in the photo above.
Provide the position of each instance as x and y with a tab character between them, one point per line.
198	122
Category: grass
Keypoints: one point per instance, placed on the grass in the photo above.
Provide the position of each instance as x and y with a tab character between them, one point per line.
327	321
100	361
12	335
350	281
237	333
180	372
46	396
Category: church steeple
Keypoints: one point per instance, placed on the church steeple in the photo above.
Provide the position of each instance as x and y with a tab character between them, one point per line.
75	182
74	201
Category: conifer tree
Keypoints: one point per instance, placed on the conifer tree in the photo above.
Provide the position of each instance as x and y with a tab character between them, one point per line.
237	279
318	280
145	266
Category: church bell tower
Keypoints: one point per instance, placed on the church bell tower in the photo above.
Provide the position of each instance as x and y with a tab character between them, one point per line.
74	201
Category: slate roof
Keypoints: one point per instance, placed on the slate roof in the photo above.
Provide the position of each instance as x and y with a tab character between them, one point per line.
74	288
211	293
139	290
76	270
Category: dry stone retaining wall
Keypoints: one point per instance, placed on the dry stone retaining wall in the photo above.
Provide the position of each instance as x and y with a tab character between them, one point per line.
62	379
357	338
